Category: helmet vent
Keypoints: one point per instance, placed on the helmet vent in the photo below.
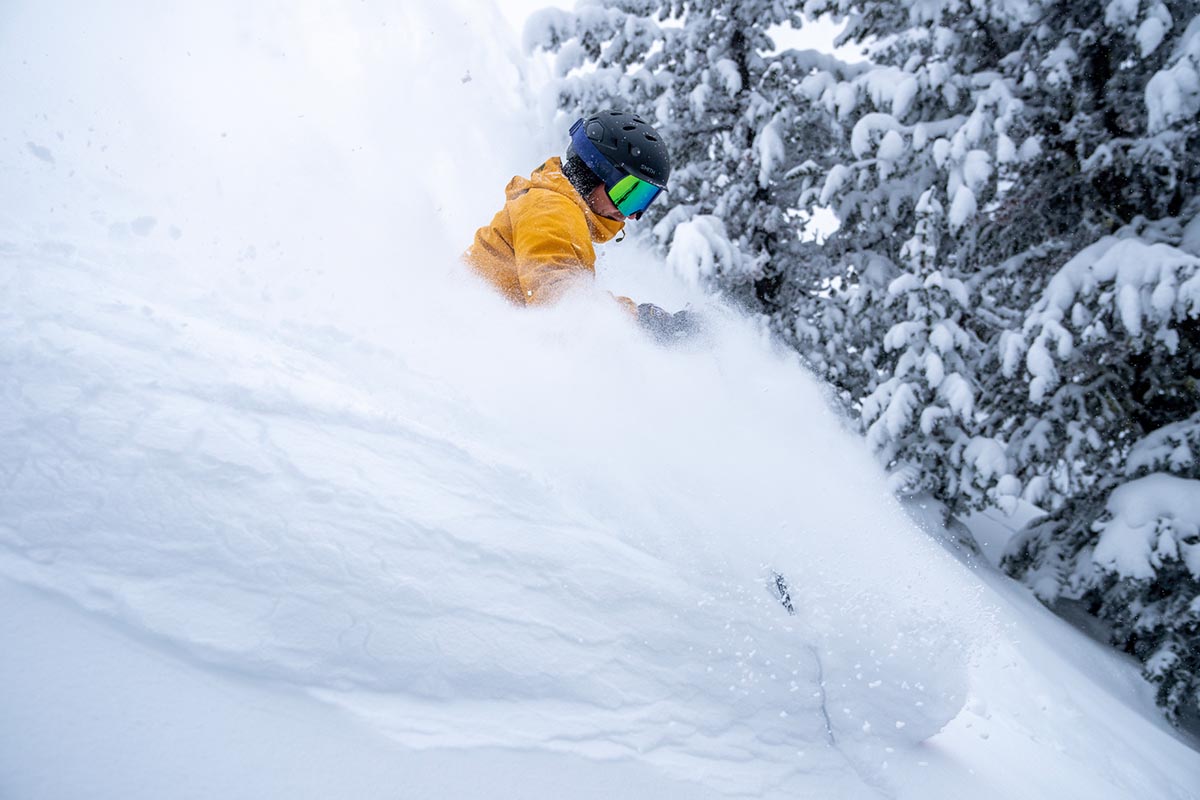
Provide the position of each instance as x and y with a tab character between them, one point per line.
651	138
629	127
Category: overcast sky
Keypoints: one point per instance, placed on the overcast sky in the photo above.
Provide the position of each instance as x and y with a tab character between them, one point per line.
518	10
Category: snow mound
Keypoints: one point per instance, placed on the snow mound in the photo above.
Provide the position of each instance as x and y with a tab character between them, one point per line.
496	540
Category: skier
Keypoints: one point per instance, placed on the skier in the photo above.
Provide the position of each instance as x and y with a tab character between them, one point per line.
540	243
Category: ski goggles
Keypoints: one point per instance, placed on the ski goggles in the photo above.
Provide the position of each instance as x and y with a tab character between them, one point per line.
629	193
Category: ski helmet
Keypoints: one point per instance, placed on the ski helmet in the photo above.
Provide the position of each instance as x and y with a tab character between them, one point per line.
629	143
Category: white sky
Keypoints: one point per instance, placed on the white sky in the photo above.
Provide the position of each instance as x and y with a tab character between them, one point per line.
515	11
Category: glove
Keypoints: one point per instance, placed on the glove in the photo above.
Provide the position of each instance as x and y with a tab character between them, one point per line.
665	326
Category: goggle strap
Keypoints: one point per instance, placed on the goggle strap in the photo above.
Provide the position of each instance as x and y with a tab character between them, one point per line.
591	155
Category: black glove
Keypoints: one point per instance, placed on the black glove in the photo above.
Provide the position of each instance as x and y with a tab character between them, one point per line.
665	326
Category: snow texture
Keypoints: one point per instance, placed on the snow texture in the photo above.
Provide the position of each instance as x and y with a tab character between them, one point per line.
869	128
1146	286
698	247
730	77
770	150
278	445
1120	12
962	207
1170	446
1152	518
1173	93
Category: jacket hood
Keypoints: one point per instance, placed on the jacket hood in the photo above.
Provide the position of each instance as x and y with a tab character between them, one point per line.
550	176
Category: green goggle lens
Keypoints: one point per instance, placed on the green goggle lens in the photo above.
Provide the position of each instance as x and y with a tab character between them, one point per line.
632	195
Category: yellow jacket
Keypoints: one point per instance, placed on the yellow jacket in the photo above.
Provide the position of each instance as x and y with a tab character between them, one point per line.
541	241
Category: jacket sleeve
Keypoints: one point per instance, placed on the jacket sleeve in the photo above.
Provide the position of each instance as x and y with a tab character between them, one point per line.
552	245
626	303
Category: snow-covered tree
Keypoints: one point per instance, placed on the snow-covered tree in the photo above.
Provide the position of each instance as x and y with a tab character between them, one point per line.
742	148
1017	191
926	152
1094	388
922	412
1106	355
1110	355
1010	300
1074	127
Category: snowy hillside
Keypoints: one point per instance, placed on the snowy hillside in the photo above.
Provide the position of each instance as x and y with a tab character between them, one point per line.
293	508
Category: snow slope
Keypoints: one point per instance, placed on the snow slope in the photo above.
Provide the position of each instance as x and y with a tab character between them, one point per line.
276	469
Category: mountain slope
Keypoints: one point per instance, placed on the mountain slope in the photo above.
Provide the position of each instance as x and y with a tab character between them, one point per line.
259	424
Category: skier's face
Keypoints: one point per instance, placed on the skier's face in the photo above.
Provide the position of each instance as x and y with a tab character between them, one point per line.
603	205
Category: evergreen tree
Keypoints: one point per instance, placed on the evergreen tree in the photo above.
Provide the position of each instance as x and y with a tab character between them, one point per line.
926	153
1011	301
1076	134
1111	355
706	73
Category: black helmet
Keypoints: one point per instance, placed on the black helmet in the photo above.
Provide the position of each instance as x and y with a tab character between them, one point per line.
630	144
